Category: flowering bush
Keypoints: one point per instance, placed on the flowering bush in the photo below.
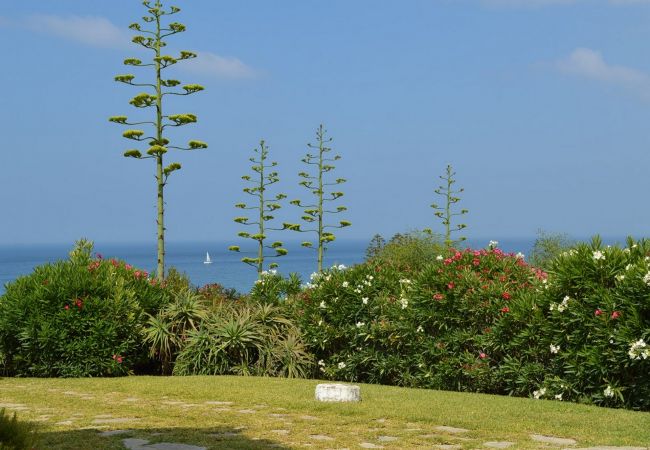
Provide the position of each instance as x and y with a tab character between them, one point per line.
589	329
427	328
78	317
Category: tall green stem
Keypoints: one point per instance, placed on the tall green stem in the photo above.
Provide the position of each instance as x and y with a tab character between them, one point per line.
160	272
320	199
260	241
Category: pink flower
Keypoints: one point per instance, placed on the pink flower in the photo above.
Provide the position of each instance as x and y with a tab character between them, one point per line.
616	315
128	267
505	309
505	296
448	261
119	360
598	312
451	285
66	307
438	296
137	274
476	262
482	355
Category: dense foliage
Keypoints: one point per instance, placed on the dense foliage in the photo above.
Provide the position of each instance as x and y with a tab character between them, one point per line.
14	434
78	317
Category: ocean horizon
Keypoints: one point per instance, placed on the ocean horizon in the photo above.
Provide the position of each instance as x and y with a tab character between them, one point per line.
18	260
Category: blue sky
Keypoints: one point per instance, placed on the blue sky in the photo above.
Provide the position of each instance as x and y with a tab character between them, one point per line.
541	106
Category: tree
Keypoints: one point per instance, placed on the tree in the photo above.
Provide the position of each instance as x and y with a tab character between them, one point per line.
314	213
446	213
158	144
264	206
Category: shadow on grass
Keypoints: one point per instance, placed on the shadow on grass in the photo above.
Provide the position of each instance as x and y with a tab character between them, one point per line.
210	438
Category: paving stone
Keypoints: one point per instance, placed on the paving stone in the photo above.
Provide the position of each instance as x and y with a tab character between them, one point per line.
307	417
320	437
278	416
498	444
447	446
218	403
370	445
173	402
452	430
247	411
552	439
64	422
12	405
104	416
382	420
131	399
135	444
387	438
173	446
113	432
116	420
222	409
280	431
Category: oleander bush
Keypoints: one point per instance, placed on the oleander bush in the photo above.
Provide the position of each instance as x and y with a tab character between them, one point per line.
388	324
78	317
585	336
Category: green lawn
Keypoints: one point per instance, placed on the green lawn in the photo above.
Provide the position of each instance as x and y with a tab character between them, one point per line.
281	413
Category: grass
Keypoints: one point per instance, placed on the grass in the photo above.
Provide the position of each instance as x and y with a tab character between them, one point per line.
280	413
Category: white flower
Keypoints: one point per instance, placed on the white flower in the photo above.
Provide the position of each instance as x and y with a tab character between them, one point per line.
357	290
364	300
620	277
554	348
639	350
598	255
314	276
558	396
420	329
520	255
405	281
626	250
646	278
552	307
321	363
258	281
539	394
345	284
608	392
360	324
320	322
370	277
341	365
439	258
322	304
404	302
628	267
493	244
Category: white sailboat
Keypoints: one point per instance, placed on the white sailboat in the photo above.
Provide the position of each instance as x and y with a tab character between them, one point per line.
207	258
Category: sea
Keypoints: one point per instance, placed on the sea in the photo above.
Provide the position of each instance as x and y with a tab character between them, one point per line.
188	257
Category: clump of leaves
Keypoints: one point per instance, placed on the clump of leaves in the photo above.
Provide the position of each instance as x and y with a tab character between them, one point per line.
16	435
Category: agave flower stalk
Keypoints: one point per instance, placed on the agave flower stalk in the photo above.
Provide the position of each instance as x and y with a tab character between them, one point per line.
314	213
265	206
152	37
446	213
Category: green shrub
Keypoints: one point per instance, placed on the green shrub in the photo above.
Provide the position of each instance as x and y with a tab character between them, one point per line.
589	329
77	317
547	247
408	251
272	288
15	435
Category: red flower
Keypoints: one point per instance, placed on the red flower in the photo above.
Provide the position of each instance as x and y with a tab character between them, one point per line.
451	285
119	360
137	274
114	262
128	267
482	355
66	307
505	309
79	303
598	312
476	262
438	296
448	261
505	296
616	315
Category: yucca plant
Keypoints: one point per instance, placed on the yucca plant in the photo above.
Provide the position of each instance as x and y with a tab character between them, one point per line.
446	212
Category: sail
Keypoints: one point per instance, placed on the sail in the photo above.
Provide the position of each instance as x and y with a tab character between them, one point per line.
207	258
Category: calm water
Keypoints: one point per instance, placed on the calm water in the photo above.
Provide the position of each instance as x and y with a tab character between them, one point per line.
226	269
